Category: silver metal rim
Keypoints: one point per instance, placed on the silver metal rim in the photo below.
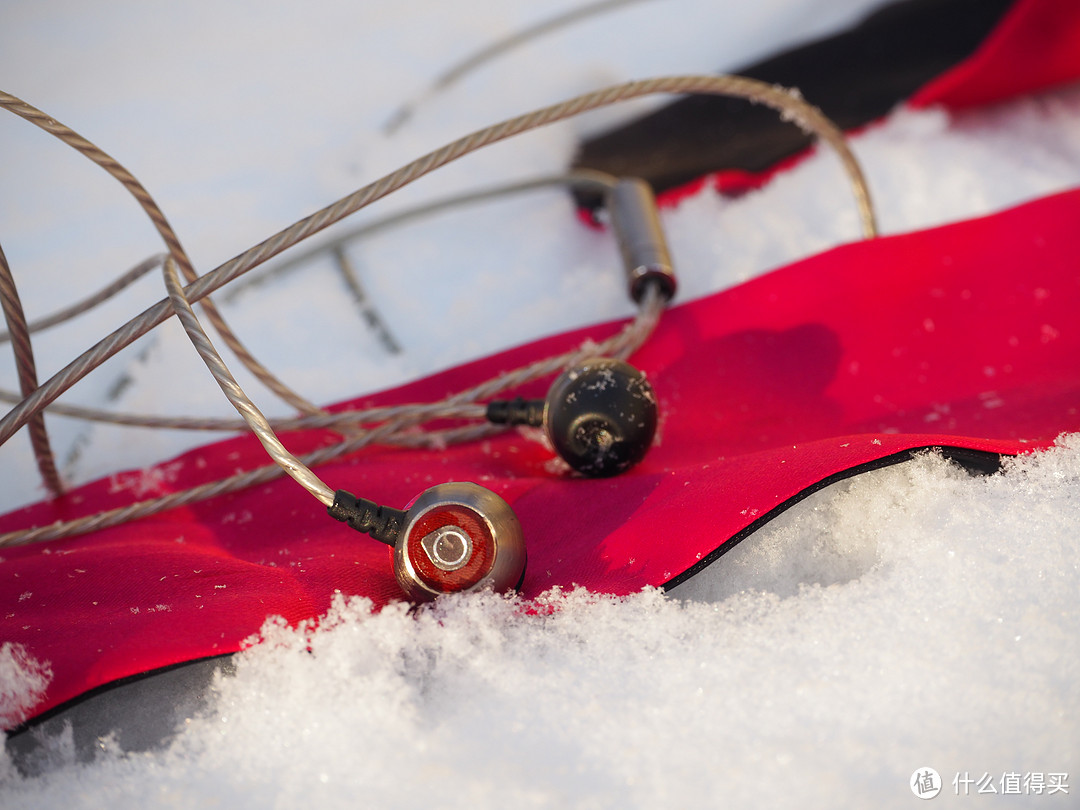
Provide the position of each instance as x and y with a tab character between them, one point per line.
496	513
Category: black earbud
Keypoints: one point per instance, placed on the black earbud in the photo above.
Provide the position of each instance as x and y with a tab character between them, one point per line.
452	538
600	416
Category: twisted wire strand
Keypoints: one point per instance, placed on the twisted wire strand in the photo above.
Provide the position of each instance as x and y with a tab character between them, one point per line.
336	420
580	179
247	409
585	179
624	345
114	287
793	108
165	230
626	342
641	328
114	517
400	420
621	344
27	372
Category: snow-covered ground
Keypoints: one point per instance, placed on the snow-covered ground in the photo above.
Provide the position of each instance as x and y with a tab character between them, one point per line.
910	618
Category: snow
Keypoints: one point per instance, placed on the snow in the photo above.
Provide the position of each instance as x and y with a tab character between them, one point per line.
910	617
23	680
874	631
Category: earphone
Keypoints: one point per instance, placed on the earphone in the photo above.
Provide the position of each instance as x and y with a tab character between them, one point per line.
453	537
600	417
600	414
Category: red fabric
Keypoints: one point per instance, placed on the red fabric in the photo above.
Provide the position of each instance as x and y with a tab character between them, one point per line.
965	336
1036	45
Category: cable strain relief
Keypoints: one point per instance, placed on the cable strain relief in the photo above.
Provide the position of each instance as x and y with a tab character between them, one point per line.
381	522
517	411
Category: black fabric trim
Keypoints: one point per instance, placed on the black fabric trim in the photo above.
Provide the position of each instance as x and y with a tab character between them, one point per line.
143	711
855	77
976	462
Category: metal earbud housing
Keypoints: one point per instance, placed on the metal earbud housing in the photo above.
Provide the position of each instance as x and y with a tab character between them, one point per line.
458	537
601	416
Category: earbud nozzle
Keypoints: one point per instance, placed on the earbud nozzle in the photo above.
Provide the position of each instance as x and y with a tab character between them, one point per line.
601	416
459	537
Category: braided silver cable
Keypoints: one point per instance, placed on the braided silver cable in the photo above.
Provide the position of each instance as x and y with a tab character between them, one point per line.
334	420
464	405
261	475
235	394
165	230
581	179
27	372
626	341
639	330
111	289
793	107
395	430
